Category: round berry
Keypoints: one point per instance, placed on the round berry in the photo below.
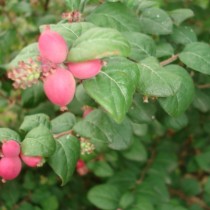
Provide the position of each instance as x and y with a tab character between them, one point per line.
10	148
32	161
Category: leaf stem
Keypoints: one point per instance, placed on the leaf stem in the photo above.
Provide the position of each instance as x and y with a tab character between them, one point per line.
169	60
57	136
204	86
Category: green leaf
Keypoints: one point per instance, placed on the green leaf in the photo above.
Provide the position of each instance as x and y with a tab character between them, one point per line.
156	21
64	159
202	3
141	112
177	104
203	160
114	86
142	45
136	152
73	5
8	134
98	43
183	35
177	123
102	131
32	96
32	121
63	122
126	200
201	101
115	15
30	51
101	169
143	203
140	5
38	142
190	186
105	196
70	32
164	49
180	15
196	56
155	80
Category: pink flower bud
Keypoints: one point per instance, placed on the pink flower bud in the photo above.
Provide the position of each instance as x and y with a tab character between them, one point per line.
10	148
32	161
10	168
52	46
60	87
86	69
81	168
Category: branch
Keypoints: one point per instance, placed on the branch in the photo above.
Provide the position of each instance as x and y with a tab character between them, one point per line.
169	60
189	200
57	136
204	86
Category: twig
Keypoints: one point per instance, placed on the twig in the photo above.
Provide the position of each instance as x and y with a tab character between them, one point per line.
189	200
57	136
46	4
204	86
147	167
169	60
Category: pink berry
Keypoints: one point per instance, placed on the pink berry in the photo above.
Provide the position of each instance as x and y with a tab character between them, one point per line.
32	161
60	87
52	46
10	167
81	168
10	148
86	69
86	110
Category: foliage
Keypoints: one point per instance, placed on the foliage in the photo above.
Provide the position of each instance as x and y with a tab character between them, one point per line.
145	143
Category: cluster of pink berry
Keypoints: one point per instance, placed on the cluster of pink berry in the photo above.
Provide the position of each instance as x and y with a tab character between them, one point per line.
10	162
59	80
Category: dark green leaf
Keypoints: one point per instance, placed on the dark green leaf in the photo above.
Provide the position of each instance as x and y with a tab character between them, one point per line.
201	101
196	56
126	200
64	159
104	131
142	45
105	196
32	121
178	103
156	21
8	134
114	15
38	142
98	43
114	86
155	80
63	122
164	49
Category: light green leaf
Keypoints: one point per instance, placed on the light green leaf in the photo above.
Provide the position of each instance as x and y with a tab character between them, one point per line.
155	80
105	196
183	35
63	122
178	103
38	142
70	32
102	131
64	159
30	51
164	49
180	15
114	86
201	101
8	134
196	56
32	121
98	43
142	45
114	15
156	21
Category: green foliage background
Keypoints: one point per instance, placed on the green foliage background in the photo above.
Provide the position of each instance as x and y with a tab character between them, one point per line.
166	165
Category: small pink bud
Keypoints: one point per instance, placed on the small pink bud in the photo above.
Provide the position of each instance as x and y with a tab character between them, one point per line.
32	161
60	87
52	46
86	69
86	110
10	148
81	168
10	168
